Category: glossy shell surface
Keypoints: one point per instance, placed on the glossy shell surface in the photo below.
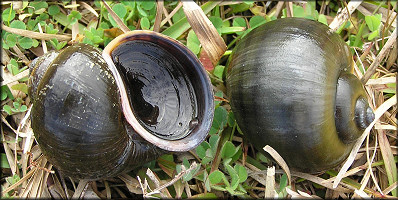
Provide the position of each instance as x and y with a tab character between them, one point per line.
282	81
97	114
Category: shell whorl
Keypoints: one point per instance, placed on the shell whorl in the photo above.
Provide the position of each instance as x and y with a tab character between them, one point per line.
71	113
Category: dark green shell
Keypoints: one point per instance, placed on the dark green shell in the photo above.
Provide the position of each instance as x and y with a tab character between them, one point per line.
89	128
282	81
74	123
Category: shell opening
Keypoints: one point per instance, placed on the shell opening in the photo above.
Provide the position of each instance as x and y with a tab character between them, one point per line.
166	95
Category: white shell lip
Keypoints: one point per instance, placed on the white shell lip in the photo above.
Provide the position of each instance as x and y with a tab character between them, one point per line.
197	135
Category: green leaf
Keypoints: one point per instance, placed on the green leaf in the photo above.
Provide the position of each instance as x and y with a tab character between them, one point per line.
193	42
18	24
262	158
256	21
230	30
201	149
282	182
228	150
234	176
373	35
120	10
207	181
35	43
13	179
218	94
32	24
231	119
239	21
11	40
39	4
129	4
7	109
217	21
219	120
53	10
322	19
189	175
145	24
4	44
43	17
373	22
16	105
240	7
6	92
23	108
141	11
298	11
208	158
13	67
25	42
8	15
213	141
4	161
207	195
242	173
73	17
20	87
216	177
218	71
148	5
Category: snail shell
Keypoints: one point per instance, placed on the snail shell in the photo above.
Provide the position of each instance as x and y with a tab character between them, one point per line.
290	86
96	115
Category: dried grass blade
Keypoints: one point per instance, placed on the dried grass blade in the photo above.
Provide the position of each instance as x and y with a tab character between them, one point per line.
319	181
270	183
378	113
187	190
132	184
381	81
169	16
108	190
38	179
208	36
117	19
296	195
371	70
278	158
369	162
88	7
158	18
181	26
390	188
80	188
344	15
362	194
9	154
175	179
11	79
385	127
388	157
43	42
35	35
15	185
75	26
